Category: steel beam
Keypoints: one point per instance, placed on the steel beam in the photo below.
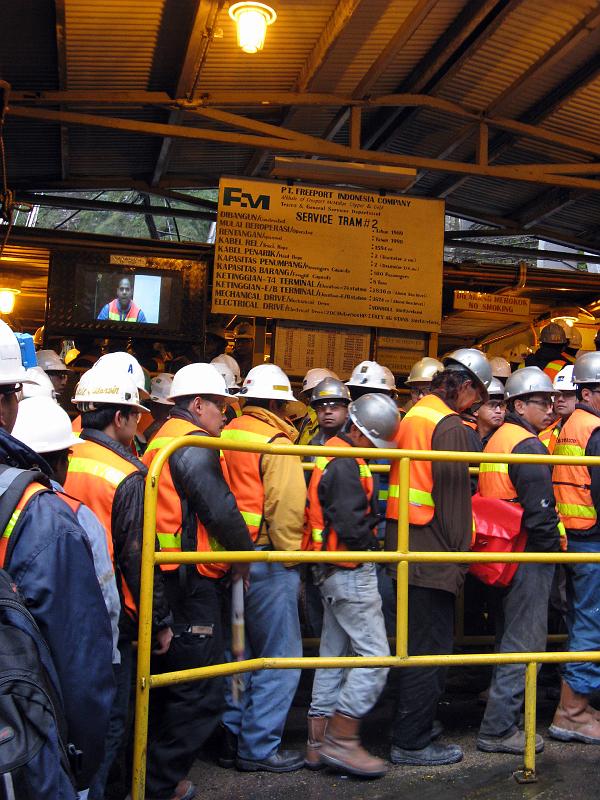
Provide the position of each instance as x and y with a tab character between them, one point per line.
477	20
335	26
80	204
195	55
545	204
540	111
307	144
61	60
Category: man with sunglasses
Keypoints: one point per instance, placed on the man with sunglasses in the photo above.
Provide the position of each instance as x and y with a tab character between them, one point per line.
195	511
524	622
577	491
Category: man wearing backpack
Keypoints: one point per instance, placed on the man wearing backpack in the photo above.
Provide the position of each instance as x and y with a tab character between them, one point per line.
49	559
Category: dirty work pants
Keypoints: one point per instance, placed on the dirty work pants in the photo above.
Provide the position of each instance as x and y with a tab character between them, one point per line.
583	617
522	627
419	689
182	716
272	629
353	624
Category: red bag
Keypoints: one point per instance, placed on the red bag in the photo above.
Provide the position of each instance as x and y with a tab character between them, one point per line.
498	529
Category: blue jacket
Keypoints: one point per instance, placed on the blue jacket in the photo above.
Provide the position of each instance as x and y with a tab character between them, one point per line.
52	565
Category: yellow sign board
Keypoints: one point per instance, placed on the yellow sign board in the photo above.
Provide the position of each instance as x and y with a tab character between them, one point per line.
496	306
319	254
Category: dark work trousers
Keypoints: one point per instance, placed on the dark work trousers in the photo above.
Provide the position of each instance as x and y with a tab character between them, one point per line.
418	689
182	716
118	720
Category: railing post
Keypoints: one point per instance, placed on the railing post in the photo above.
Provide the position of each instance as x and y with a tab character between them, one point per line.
402	568
527	773
142	699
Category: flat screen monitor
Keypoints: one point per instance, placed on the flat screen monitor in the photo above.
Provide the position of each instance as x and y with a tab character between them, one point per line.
122	295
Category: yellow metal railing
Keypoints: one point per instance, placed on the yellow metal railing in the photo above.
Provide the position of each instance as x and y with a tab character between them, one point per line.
402	557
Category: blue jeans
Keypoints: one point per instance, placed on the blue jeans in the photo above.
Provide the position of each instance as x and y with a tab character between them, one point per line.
352	625
521	627
272	629
583	618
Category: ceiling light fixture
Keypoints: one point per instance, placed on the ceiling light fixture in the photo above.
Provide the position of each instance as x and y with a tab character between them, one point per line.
7	299
252	20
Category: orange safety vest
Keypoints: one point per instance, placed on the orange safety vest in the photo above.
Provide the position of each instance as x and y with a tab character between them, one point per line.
416	433
95	473
245	468
494	480
572	485
549	436
552	368
30	492
169	513
115	314
316	523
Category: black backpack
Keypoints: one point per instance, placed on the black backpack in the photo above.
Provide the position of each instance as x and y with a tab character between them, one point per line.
34	756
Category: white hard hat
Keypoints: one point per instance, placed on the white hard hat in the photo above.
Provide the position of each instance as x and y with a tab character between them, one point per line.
500	367
371	375
44	426
227	375
196	379
125	362
233	367
11	364
267	382
106	386
316	375
160	388
391	381
50	361
40	384
563	382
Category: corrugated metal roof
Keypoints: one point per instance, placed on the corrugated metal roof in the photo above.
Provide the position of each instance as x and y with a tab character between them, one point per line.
140	45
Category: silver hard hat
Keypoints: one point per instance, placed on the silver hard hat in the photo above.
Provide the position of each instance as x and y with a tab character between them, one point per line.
496	388
424	370
527	381
377	417
587	369
473	361
330	389
553	333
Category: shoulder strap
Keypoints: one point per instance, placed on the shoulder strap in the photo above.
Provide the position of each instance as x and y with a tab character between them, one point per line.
13	482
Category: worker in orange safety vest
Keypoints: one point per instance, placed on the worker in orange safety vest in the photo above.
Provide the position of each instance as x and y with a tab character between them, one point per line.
528	394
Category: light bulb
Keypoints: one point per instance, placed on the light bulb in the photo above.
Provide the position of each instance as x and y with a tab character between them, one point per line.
7	300
252	20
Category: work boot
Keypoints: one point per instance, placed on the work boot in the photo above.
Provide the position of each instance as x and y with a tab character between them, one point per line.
316	734
185	790
434	755
574	720
342	750
227	747
513	743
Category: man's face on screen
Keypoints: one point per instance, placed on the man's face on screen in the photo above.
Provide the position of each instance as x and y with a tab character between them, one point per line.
124	292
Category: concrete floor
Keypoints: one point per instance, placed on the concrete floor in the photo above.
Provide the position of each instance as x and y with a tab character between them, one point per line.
565	771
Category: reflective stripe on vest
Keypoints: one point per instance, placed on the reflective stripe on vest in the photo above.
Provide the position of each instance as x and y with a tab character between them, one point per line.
95	473
572	485
30	491
549	436
552	368
114	312
244	467
169	512
416	433
315	520
494	480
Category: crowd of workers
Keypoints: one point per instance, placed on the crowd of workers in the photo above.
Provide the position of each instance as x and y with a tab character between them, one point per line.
73	547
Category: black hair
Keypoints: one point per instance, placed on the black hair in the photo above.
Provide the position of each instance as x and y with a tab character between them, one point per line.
101	418
54	458
262	402
581	387
447	384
